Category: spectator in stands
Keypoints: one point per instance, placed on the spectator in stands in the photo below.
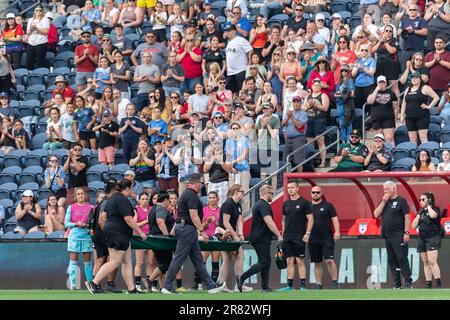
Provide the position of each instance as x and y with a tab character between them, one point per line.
275	42
69	130
217	168
110	16
293	40
344	95
122	43
85	119
54	215
199	102
239	20
28	214
321	28
445	164
293	90
128	17
296	22
76	165
172	75
413	29
118	105
136	186
177	20
120	72
253	71
294	122
141	216
249	94
335	25
319	42
387	22
187	157
308	61
362	39
167	175
98	37
351	156
7	140
438	62
21	136
323	72
6	110
107	49
384	109
159	21
290	68
54	132
12	35
214	54
342	56
379	158
79	240
386	50
56	102
158	50
368	29
316	106
372	8
175	42
363	71
236	58
7	77
90	16
143	163
423	162
443	108
37	31
416	63
157	128
267	96
86	60
438	17
258	35
107	139
101	77
190	58
131	129
428	222
416	109
63	89
54	176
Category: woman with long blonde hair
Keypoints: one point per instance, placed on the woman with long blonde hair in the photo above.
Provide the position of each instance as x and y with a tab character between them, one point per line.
274	73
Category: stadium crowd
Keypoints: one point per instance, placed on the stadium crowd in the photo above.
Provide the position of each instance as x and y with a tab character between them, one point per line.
156	91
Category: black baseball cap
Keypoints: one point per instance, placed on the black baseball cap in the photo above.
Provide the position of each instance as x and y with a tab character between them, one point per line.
195	177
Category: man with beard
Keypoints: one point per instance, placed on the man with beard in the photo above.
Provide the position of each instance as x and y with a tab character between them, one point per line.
86	60
351	155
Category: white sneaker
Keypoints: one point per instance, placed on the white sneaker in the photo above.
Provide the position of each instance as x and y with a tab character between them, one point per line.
227	290
244	288
218	289
154	289
139	288
165	291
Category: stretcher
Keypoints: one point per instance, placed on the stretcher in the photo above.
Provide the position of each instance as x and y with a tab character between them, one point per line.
170	243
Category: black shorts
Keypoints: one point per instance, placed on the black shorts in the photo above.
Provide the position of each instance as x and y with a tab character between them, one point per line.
100	246
428	244
86	136
415	124
293	248
164	258
383	124
320	250
160	35
116	240
234	82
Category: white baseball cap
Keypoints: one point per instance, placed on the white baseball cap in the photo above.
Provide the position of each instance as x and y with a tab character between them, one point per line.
336	16
49	15
28	193
381	78
379	136
10	15
320	16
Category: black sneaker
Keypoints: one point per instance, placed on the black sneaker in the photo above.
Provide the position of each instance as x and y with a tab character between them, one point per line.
239	284
112	289
319	287
408	284
135	291
92	288
268	290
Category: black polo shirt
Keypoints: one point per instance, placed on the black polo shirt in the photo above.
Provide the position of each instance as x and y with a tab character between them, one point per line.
393	217
232	209
296	25
78	178
295	222
260	232
428	227
322	212
189	200
117	208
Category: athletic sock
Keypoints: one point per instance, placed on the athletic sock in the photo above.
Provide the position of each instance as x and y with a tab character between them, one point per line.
111	284
137	280
215	271
88	271
429	284
438	283
179	283
303	283
290	283
73	273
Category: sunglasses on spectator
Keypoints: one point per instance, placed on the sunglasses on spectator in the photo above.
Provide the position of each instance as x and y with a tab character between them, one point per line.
364	50
222	82
174	97
418	59
321	62
344	71
342	42
412	9
276	54
360	37
377	140
77	149
291	53
189	40
151	96
53	160
86	36
38	10
106	40
316	192
423	199
354	137
388	30
298	9
218	117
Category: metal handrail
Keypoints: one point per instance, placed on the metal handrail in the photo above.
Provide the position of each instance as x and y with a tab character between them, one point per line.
9	7
30	7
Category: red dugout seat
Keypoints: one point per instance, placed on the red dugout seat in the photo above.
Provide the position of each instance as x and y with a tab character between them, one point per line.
364	227
446	224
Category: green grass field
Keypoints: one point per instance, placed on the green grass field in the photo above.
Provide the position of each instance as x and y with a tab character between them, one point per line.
354	294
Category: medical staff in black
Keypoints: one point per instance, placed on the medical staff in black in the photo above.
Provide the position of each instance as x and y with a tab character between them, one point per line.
297	224
428	220
161	223
263	228
97	224
321	241
189	224
395	219
117	232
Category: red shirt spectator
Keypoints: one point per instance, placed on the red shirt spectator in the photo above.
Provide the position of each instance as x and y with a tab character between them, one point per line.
87	65
63	89
328	78
192	68
439	74
52	37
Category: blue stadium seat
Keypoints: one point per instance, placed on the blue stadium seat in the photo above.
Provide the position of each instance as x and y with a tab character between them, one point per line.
32	95
278	19
43	203
35	235
41	71
114	174
38	87
8	190
403	150
34	78
60	62
56	235
254	181
33	186
25	111
38	140
61	154
12	236
430	146
61	70
93	159
120	157
96	173
36	157
404	164
401	135
434	132
445	134
337	6
204	200
14	158
121	167
435	160
9	174
44	193
31	174
7	204
435	119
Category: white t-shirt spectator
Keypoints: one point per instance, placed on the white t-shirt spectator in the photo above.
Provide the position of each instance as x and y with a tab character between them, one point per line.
443	166
157	23
325	32
199	103
176	24
37	38
237	55
121	109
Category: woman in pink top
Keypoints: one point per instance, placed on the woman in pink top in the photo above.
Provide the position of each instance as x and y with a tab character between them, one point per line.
141	217
211	215
323	72
290	68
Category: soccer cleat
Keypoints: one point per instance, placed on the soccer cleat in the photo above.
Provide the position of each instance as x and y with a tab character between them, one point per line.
244	288
319	287
92	288
135	291
165	291
285	289
218	289
138	288
268	290
239	284
112	289
180	289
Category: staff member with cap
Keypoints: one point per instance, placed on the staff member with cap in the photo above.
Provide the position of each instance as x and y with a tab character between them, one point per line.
189	224
86	60
350	157
379	157
395	221
384	109
295	124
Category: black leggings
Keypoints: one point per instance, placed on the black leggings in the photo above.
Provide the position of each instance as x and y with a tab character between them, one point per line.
361	94
264	260
16	58
36	54
128	148
164	258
